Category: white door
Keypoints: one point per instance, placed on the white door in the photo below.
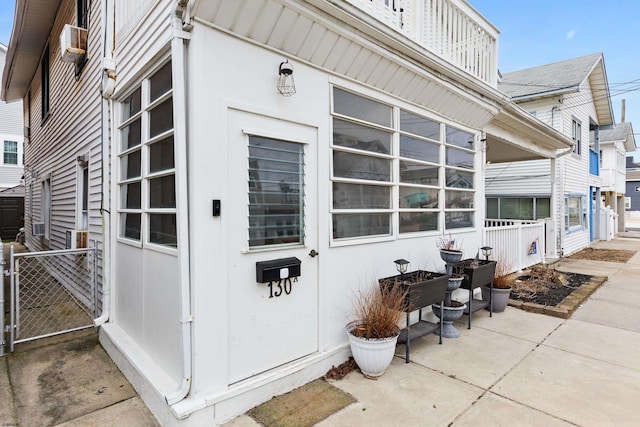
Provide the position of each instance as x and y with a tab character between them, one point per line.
272	188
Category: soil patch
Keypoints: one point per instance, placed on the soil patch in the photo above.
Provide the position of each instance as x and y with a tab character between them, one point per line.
546	286
608	255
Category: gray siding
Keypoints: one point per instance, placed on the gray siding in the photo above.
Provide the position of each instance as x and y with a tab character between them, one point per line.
10	113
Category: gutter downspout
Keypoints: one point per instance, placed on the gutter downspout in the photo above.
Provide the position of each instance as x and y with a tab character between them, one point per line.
178	63
107	88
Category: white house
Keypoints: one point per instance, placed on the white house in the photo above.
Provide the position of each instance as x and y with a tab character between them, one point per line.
203	161
11	135
573	97
615	143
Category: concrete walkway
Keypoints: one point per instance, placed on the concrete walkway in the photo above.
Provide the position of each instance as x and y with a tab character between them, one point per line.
514	369
517	368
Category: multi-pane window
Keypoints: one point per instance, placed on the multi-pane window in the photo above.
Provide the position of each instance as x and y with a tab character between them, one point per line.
575	213
10	155
276	192
396	172
522	208
147	209
576	135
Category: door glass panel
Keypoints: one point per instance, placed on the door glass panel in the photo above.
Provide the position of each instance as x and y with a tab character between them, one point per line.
130	223
131	195
132	105
131	135
276	192
130	165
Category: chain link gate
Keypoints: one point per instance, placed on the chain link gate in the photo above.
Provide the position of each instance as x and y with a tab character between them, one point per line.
51	293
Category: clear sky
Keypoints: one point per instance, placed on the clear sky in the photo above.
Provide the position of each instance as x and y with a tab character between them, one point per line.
544	31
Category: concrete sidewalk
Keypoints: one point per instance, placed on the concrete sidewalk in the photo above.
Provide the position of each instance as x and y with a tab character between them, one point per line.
517	368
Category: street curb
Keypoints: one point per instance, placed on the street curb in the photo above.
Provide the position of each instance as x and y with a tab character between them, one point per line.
568	305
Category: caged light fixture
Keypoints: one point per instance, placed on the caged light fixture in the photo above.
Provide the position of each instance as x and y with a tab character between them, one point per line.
285	85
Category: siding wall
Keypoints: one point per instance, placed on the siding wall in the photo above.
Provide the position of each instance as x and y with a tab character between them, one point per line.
73	128
11	129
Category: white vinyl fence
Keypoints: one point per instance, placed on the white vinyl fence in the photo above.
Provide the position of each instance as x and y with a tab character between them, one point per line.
516	244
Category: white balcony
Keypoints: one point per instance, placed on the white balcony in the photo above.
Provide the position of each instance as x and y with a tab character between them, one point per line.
451	29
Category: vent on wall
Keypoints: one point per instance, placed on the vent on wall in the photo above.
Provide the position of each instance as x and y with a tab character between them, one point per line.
73	43
37	228
76	239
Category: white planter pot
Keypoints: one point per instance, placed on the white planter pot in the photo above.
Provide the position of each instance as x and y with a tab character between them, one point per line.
373	356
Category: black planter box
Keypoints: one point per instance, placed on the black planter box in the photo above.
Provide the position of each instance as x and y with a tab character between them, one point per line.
480	275
425	287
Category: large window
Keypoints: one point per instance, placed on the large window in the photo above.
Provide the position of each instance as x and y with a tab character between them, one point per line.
10	156
44	83
575	213
522	208
276	192
147	209
397	172
576	135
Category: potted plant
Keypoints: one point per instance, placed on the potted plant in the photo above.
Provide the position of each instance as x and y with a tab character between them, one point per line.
374	332
450	251
499	294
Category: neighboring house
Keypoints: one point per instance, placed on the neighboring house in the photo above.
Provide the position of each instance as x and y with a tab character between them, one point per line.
573	97
11	138
614	145
209	171
632	193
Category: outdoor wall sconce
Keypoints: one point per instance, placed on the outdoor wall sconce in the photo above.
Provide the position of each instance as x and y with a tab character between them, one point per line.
286	85
486	251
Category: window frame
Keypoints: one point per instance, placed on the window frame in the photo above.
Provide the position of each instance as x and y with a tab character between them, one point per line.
5	152
534	199
576	136
45	82
83	184
82	21
395	183
143	115
582	213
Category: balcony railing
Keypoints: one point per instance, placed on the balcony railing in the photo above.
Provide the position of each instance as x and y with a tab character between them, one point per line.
450	29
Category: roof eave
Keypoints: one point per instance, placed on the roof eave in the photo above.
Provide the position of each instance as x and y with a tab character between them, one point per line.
32	23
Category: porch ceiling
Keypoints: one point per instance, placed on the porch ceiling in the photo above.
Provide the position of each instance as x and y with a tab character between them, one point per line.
515	135
345	41
32	24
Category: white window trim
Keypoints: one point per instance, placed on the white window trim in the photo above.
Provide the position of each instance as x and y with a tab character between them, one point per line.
395	210
146	141
576	136
583	214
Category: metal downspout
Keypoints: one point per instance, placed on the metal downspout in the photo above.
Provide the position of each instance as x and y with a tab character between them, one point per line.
108	85
178	61
2	302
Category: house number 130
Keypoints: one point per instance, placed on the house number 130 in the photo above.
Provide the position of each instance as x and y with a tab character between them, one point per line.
286	288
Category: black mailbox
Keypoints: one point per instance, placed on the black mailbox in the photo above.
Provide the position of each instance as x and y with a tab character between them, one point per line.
277	269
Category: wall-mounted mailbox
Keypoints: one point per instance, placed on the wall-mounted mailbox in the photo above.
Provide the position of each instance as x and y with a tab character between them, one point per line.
277	269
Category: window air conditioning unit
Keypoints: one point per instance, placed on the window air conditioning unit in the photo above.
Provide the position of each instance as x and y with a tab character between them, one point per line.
76	239
73	43
37	228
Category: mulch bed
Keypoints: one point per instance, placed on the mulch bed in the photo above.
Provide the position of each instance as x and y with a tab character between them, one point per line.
546	286
609	255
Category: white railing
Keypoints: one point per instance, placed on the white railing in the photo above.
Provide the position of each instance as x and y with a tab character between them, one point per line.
516	244
450	29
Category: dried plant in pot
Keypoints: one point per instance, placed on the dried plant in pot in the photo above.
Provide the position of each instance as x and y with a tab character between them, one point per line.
450	251
502	285
373	333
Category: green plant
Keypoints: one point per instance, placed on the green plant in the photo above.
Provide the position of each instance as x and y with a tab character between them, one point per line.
378	310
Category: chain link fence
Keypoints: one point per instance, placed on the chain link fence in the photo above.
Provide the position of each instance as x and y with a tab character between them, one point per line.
52	292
